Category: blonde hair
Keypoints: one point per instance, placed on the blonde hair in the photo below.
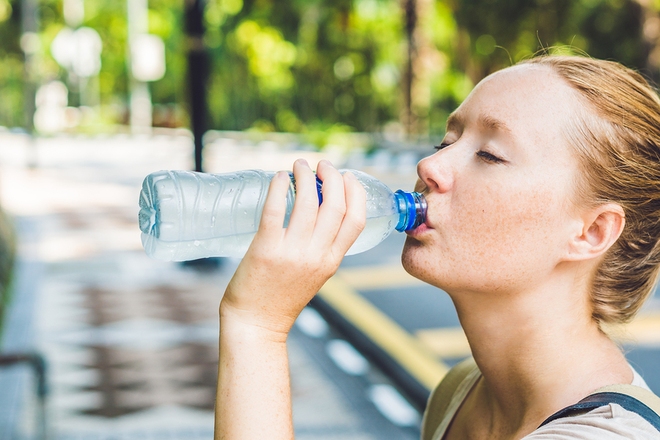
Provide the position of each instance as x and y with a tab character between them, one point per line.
618	145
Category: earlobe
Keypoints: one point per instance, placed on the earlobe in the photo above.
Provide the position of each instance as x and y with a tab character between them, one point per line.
600	230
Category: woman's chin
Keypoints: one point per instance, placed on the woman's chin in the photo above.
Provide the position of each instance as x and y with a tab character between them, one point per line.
420	260
411	257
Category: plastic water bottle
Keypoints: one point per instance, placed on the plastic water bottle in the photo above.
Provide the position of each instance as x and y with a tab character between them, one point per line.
186	215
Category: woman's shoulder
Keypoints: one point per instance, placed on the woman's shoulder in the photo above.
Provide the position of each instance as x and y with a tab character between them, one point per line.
610	421
447	397
604	423
607	422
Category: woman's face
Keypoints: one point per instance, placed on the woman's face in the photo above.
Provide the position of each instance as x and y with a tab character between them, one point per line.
500	188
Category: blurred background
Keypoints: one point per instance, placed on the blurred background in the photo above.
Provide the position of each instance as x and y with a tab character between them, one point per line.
311	67
99	342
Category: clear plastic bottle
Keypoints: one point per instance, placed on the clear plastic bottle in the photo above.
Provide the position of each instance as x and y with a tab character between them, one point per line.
186	215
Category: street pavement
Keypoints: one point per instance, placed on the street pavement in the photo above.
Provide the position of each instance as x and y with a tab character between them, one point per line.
131	343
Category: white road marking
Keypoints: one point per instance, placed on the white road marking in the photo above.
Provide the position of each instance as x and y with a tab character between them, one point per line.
347	358
311	323
393	406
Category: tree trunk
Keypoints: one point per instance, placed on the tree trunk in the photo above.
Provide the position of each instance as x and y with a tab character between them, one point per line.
651	34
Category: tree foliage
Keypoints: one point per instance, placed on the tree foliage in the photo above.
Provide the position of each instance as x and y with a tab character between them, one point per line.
327	66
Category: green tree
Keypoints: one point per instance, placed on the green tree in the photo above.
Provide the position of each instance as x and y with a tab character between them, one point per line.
11	64
331	66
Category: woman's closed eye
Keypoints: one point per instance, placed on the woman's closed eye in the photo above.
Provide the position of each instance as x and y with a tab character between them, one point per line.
483	155
488	157
442	146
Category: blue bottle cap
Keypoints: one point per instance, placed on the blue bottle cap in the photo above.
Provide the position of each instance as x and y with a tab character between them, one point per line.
412	210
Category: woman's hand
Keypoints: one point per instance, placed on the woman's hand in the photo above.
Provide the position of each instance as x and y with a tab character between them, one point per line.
281	271
284	268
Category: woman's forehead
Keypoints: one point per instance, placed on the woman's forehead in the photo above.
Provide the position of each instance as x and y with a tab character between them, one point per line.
520	99
530	108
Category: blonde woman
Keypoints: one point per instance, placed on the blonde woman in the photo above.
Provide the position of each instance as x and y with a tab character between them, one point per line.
543	225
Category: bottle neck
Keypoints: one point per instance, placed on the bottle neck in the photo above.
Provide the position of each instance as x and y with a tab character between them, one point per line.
319	185
412	210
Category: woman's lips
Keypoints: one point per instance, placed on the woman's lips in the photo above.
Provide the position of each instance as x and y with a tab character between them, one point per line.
419	230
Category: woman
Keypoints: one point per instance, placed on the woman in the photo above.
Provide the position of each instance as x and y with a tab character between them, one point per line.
543	226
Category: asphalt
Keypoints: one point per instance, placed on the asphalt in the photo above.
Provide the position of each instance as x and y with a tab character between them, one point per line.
131	343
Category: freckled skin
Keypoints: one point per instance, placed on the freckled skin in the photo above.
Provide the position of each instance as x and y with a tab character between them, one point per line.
499	226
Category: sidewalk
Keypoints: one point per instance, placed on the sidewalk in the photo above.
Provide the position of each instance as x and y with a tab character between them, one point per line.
131	343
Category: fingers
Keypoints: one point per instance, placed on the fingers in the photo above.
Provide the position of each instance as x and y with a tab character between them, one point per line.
356	214
272	217
333	209
306	206
342	215
333	226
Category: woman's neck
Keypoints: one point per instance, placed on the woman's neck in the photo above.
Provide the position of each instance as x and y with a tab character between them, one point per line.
538	351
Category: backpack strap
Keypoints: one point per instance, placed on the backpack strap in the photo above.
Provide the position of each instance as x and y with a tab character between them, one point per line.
441	396
632	398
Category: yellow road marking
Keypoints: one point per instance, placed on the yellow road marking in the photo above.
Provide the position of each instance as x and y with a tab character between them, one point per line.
643	330
404	348
421	354
378	277
445	342
451	342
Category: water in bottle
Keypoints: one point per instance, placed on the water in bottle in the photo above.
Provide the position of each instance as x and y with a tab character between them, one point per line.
186	215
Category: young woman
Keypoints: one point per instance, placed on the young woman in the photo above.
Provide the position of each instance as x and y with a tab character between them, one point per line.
543	226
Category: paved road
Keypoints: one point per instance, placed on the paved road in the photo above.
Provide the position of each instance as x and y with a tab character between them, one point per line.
131	343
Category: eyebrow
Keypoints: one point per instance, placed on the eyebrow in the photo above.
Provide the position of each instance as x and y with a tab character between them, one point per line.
455	121
493	123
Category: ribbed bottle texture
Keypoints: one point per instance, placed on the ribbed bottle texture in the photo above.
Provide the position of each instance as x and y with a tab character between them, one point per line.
186	215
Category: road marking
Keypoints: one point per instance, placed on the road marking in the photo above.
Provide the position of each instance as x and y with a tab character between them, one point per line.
378	277
447	342
346	357
400	345
450	342
644	330
311	323
393	406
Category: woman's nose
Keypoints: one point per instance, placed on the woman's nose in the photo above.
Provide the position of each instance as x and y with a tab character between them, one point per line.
435	173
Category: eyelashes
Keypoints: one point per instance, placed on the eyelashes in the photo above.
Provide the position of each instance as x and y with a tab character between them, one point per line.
489	157
481	154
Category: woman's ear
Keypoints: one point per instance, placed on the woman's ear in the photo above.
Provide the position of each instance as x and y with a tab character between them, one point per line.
600	228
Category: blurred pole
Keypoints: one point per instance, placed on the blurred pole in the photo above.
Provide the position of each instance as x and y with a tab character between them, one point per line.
140	98
198	67
30	47
410	9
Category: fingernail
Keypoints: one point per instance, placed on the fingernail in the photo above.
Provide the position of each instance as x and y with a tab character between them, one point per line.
303	162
